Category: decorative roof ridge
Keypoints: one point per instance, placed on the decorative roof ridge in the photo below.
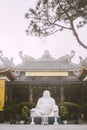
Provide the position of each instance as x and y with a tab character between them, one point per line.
9	71
46	59
82	73
46	56
4	70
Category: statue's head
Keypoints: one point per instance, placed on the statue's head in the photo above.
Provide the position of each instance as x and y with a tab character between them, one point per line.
46	93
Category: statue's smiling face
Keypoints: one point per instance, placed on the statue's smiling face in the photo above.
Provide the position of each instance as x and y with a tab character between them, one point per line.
46	93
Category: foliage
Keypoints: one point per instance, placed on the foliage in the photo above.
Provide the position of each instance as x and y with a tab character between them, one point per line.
25	112
14	110
27	104
50	16
84	110
69	110
64	112
7	110
1	117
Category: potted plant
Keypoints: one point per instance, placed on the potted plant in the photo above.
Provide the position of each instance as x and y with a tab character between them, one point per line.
64	114
25	113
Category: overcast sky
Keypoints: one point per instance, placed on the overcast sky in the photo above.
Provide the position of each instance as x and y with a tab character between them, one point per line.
14	39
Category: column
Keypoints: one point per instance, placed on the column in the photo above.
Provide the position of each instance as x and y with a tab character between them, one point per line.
2	94
62	93
31	94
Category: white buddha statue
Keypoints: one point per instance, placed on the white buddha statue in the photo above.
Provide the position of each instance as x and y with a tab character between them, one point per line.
45	106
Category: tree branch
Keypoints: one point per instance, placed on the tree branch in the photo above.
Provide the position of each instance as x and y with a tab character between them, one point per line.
73	29
77	37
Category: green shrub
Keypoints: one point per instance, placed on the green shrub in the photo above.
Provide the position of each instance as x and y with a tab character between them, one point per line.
7	111
83	110
27	104
14	110
69	110
1	116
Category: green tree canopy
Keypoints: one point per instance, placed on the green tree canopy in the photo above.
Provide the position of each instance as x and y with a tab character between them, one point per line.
50	16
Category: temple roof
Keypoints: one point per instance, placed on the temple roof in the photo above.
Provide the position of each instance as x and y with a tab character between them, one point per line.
47	65
47	62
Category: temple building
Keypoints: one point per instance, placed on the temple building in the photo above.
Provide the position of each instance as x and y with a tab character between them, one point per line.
26	81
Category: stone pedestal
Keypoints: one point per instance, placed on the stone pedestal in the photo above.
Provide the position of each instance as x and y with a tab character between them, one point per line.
45	121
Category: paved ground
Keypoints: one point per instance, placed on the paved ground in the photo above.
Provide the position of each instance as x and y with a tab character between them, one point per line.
42	127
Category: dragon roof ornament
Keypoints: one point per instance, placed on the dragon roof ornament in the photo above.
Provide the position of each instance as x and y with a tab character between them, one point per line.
5	61
68	57
25	58
83	62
